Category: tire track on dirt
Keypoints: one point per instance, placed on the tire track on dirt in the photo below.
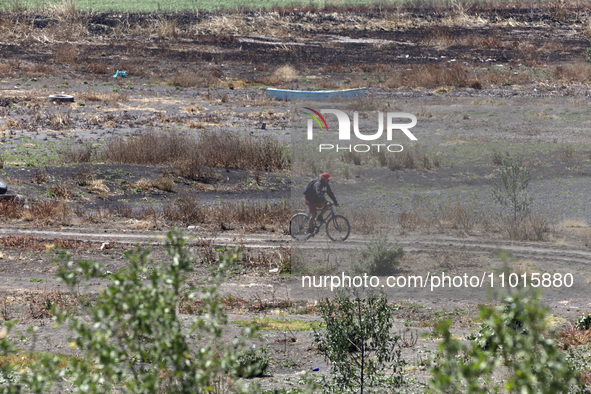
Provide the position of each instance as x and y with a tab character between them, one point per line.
540	251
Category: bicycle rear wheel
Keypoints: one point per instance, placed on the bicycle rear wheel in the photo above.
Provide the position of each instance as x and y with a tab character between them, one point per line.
298	226
338	228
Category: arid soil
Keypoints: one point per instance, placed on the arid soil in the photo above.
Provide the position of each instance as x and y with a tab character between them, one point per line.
483	82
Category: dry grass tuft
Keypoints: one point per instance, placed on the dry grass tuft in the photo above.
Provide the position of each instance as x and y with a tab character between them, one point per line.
413	158
571	336
203	78
531	228
283	74
79	154
366	221
65	10
574	73
47	211
429	76
34	243
65	54
186	210
167	28
570	223
19	241
11	209
451	214
149	148
40	303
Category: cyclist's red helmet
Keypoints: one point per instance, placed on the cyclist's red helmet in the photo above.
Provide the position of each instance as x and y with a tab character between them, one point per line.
325	175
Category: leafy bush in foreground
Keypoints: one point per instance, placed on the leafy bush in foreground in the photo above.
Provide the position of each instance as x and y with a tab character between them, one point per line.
358	343
512	341
133	339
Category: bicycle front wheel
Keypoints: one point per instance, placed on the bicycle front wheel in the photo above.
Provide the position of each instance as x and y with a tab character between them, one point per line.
338	228
298	226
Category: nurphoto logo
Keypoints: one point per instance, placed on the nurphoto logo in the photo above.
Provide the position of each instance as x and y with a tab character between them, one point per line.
393	127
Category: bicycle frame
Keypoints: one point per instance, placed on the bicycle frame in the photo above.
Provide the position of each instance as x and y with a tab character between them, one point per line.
329	215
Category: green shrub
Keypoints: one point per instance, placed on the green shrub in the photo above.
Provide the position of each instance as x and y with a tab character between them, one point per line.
358	343
252	362
583	322
381	257
132	339
512	342
510	190
512	319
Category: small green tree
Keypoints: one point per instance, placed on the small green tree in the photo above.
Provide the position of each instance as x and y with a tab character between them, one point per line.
134	336
358	343
511	188
513	338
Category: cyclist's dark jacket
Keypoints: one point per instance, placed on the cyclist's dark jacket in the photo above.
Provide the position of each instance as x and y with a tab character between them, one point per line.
316	193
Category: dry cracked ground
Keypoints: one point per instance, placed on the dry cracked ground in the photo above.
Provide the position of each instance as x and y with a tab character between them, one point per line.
190	138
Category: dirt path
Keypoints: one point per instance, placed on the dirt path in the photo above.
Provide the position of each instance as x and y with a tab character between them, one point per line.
536	250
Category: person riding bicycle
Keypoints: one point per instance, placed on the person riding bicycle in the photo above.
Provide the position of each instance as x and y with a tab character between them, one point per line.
315	199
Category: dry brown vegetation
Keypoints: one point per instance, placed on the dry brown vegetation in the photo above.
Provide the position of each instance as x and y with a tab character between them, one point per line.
201	78
189	154
455	214
77	154
450	214
572	336
412	158
40	303
366	221
283	74
578	72
430	76
42	212
533	228
187	210
450	28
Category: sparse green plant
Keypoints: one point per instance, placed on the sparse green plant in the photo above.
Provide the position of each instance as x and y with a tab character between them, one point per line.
252	362
512	338
380	257
358	343
511	188
134	334
588	53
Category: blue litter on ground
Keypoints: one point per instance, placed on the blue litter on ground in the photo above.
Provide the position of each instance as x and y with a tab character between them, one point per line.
122	74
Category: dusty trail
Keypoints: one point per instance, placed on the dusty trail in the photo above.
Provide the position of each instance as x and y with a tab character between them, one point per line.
535	250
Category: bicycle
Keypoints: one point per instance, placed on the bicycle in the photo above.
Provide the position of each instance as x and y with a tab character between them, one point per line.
337	226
